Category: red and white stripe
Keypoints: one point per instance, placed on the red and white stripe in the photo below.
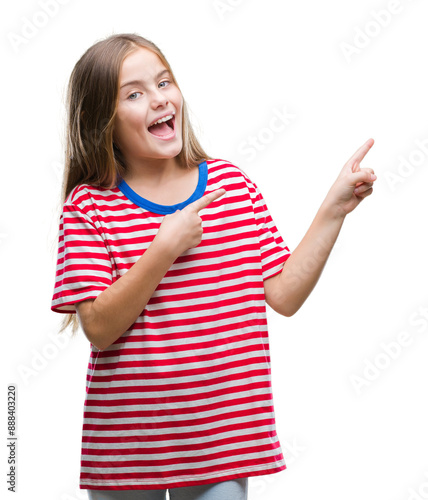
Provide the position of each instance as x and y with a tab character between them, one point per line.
184	396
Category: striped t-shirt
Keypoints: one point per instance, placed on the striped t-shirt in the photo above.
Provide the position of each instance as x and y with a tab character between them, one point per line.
184	396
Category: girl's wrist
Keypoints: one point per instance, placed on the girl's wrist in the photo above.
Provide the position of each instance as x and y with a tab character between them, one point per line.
333	211
164	249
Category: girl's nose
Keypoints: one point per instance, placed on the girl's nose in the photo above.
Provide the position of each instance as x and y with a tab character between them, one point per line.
158	99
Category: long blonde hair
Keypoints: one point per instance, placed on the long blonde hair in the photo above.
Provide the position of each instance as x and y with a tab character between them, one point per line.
92	99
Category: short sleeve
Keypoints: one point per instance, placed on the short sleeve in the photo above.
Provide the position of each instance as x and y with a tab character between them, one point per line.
83	268
273	250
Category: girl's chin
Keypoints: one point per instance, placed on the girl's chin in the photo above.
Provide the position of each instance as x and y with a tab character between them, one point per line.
164	154
172	146
155	149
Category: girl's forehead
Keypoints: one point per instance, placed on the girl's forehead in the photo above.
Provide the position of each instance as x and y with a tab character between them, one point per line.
141	63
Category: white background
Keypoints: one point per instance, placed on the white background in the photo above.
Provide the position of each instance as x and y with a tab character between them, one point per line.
239	63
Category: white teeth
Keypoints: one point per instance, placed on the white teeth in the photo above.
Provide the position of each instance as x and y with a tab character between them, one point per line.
164	119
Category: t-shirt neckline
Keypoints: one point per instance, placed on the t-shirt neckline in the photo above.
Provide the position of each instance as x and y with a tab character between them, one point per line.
167	209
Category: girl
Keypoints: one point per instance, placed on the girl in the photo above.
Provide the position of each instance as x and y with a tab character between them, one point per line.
167	257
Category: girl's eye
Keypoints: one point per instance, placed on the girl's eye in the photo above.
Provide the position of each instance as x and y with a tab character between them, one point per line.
133	94
166	81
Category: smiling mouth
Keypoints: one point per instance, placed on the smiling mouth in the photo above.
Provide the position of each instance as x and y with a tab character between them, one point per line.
164	129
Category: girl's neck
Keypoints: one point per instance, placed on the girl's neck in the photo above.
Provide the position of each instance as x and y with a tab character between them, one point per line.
153	172
164	183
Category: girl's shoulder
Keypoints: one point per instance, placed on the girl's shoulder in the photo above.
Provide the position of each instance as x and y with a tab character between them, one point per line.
221	166
84	193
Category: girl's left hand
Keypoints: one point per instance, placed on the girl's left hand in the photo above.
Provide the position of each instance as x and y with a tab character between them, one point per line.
352	185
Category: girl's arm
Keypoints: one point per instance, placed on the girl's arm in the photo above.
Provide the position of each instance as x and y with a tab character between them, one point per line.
107	317
287	291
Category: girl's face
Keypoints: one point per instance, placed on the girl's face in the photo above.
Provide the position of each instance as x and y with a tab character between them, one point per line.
147	93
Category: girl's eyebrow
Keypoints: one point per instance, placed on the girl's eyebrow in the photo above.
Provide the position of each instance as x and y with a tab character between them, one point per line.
137	82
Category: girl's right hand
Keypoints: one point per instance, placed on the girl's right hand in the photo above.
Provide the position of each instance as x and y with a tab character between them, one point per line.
183	229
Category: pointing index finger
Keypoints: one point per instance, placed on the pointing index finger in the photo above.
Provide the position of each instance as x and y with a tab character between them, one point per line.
206	200
358	156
